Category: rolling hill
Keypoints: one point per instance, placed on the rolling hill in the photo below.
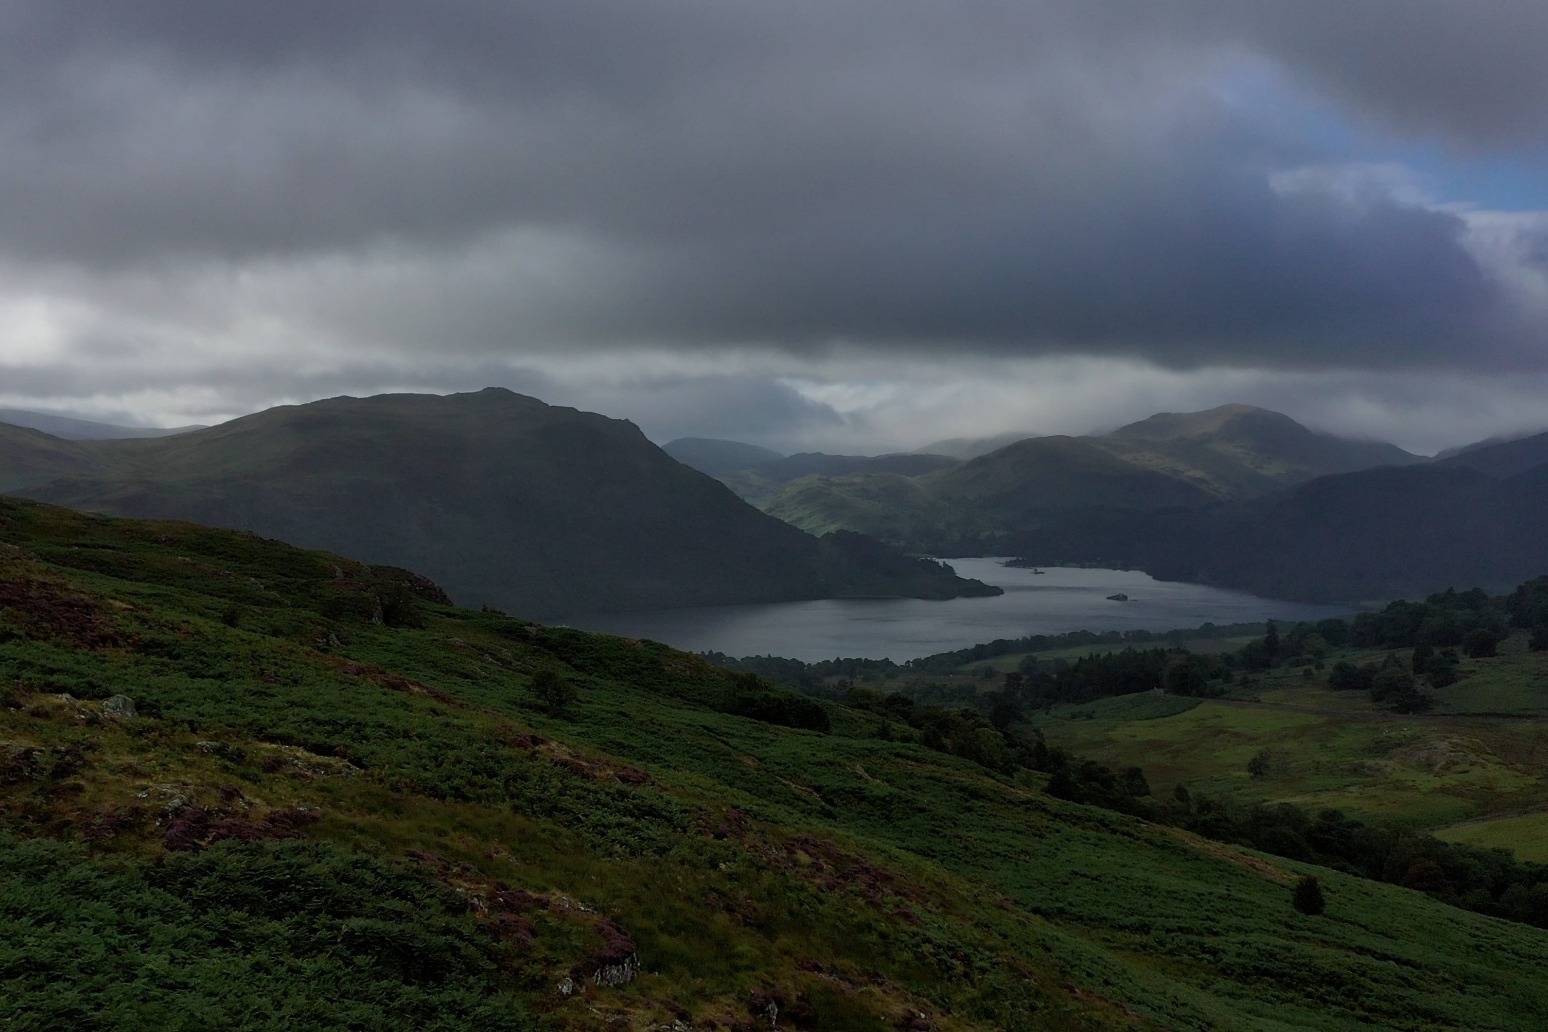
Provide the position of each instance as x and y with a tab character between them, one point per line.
1169	461
247	786
758	484
537	509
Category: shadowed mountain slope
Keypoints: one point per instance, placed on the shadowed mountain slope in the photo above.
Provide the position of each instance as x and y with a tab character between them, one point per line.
715	457
507	501
1501	458
1170	460
1376	534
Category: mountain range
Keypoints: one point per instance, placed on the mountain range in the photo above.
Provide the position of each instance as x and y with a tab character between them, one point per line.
1170	460
505	500
1235	496
547	511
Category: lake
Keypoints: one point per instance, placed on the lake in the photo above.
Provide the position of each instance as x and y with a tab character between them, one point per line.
1057	600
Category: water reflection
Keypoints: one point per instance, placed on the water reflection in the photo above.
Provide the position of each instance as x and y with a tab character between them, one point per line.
1051	602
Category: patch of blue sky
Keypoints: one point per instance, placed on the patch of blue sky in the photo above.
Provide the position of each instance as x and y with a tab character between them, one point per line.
1322	132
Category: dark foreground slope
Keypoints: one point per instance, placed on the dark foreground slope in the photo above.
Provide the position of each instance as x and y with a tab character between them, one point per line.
537	509
337	802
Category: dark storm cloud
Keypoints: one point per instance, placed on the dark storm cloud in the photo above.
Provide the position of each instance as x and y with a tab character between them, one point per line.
1473	71
999	177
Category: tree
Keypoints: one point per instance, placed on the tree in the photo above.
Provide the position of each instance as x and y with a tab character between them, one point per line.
1271	642
553	691
1260	764
1308	897
1481	643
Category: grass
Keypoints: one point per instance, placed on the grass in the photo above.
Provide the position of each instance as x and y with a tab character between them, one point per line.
1482	751
1526	835
853	880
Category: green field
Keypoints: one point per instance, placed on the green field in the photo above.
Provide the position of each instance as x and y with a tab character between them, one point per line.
1483	749
1526	835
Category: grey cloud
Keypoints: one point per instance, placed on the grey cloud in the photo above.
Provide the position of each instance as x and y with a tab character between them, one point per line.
1472	71
1010	178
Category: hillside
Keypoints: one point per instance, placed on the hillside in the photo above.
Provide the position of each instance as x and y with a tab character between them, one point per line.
1241	451
759	484
251	787
1501	458
964	448
1170	460
536	509
716	457
891	507
1378	534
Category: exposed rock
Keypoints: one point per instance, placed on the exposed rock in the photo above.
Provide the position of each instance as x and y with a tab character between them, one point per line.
619	973
120	706
567	987
619	961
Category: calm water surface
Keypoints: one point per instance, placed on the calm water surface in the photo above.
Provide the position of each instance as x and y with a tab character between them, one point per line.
1058	600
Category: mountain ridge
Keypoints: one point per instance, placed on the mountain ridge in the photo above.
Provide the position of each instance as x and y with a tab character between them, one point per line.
542	510
1169	460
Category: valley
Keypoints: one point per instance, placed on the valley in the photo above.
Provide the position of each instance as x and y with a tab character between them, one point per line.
845	517
1020	804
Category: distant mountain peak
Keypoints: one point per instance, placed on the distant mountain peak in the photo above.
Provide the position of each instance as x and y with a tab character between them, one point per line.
1171	425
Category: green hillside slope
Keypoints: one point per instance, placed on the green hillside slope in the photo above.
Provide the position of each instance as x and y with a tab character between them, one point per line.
246	786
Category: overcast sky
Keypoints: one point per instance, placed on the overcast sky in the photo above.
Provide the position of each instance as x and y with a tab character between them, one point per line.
847	225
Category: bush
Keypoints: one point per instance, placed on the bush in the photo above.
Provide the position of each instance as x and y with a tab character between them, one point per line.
555	692
1308	897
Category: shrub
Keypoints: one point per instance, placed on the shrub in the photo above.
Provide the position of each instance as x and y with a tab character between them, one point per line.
1308	897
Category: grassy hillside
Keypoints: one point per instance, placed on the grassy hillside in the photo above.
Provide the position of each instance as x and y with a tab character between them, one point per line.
893	507
537	509
336	801
759	484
